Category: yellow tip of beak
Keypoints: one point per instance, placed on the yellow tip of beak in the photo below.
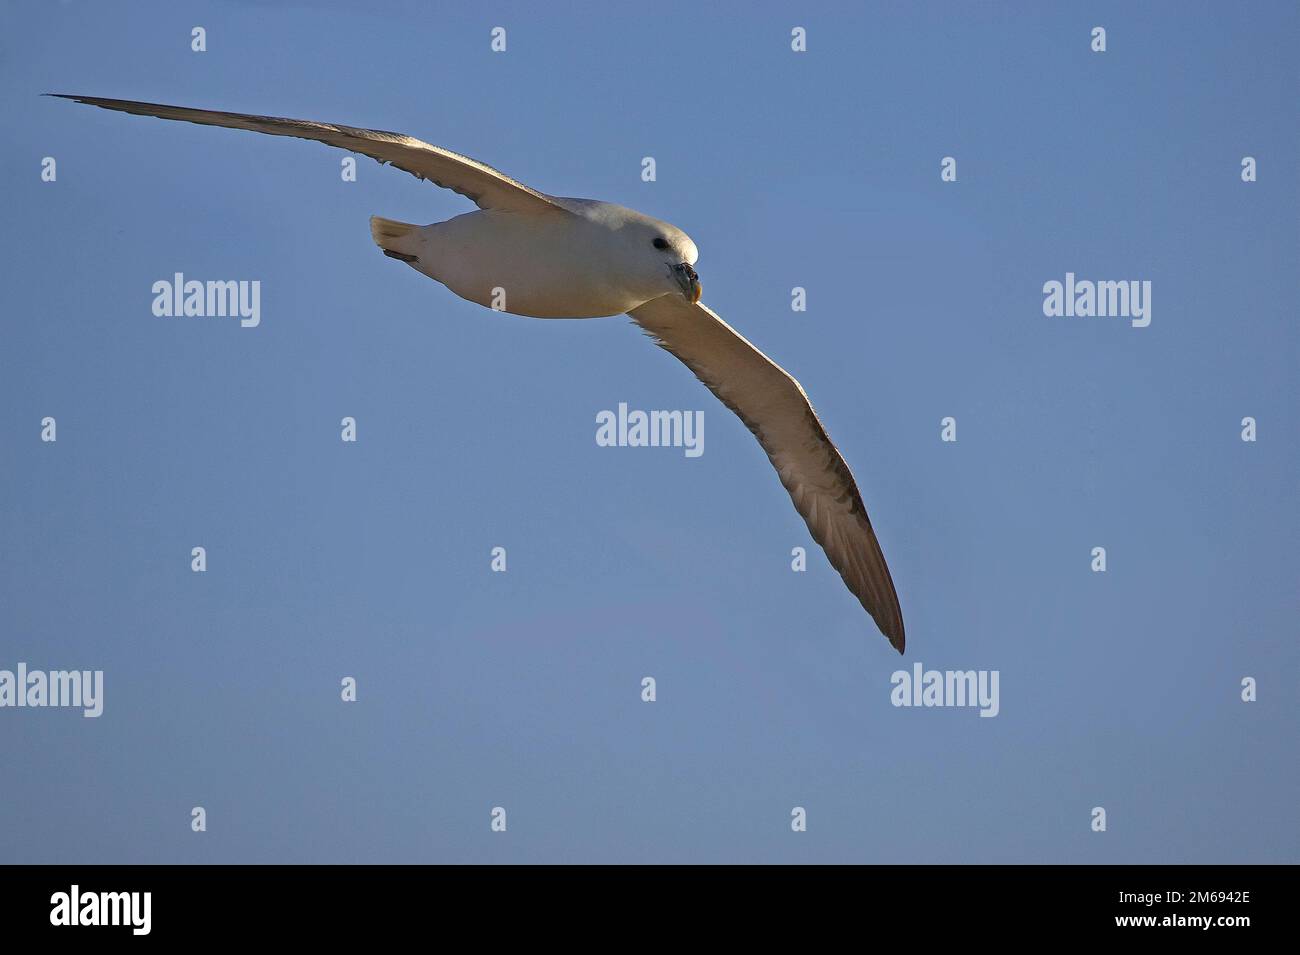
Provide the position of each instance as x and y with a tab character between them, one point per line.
696	291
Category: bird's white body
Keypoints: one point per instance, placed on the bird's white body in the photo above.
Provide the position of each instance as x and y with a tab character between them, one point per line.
588	260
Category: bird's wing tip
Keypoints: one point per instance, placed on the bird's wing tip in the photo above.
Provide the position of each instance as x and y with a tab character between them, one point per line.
896	636
83	98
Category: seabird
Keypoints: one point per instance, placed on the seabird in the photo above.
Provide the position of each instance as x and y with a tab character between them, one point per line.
528	253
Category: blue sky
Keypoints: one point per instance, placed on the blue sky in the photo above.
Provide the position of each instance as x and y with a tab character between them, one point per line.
522	690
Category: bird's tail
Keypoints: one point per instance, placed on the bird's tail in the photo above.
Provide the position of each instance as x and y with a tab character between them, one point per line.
399	240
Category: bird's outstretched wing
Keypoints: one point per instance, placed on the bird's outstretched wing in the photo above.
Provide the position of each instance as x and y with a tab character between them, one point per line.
488	188
775	408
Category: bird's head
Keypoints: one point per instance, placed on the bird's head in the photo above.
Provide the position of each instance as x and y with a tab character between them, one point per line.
679	256
669	255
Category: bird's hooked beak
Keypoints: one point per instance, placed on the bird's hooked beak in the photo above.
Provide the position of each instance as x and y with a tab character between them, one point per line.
689	282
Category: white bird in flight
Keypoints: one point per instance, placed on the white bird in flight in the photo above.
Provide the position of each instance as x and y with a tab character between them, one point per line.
580	258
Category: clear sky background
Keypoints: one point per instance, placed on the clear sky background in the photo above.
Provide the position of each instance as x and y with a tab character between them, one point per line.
477	429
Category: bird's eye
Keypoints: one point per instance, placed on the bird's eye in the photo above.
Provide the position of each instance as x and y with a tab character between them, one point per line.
660	242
